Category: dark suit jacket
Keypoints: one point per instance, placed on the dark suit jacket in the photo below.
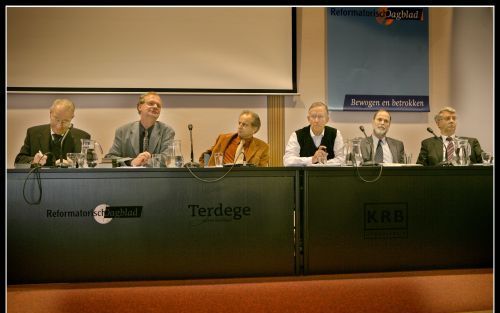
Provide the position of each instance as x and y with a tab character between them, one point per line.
431	151
396	146
38	139
257	153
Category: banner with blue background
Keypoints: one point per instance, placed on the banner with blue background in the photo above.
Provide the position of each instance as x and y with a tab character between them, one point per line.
378	58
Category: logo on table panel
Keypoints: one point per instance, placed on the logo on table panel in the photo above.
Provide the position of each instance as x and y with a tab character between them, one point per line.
385	220
104	213
217	213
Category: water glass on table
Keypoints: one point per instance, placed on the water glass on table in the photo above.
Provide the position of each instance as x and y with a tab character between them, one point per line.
407	158
487	158
219	159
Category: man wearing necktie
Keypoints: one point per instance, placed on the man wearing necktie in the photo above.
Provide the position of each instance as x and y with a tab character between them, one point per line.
241	147
141	139
46	145
439	150
378	146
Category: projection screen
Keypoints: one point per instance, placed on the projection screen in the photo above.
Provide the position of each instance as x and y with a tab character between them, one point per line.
166	49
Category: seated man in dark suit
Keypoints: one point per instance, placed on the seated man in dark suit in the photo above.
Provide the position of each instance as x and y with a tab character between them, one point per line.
48	144
440	150
385	149
241	147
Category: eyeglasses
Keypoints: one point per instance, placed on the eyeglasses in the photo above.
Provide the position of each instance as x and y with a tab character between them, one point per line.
153	103
62	122
314	116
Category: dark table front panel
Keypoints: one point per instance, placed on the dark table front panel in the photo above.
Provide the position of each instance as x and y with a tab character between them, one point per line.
250	230
411	218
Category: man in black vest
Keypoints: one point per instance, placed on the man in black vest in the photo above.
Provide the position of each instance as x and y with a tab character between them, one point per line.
316	143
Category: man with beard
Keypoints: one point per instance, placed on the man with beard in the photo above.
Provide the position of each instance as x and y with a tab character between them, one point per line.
434	150
382	149
140	139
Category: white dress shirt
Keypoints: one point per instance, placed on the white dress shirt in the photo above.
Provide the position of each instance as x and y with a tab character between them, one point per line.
292	152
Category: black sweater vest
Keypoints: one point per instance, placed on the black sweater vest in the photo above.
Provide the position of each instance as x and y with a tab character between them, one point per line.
307	147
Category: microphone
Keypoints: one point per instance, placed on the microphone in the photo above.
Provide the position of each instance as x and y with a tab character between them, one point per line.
432	132
61	163
371	162
442	143
192	163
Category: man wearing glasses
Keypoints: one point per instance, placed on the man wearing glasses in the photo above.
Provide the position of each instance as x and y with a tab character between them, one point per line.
141	139
47	145
316	143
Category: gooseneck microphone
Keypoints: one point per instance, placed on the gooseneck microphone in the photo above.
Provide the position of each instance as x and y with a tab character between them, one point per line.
61	162
371	162
190	127
444	147
432	132
192	163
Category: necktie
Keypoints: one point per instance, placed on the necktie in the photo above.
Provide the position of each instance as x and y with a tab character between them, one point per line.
379	155
449	149
57	138
145	142
240	153
56	147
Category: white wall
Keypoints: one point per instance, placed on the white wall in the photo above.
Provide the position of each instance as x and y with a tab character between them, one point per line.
472	82
460	75
461	63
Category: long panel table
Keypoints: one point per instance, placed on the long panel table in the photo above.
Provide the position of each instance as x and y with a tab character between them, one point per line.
411	218
139	224
142	224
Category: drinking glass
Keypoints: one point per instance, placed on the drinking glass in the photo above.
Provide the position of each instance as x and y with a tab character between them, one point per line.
72	158
219	159
348	153
407	158
487	158
156	160
170	156
80	159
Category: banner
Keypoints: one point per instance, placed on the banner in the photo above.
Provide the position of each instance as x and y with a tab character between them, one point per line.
378	58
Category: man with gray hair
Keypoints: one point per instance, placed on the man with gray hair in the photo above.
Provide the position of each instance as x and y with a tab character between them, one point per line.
47	145
316	143
141	139
440	150
241	147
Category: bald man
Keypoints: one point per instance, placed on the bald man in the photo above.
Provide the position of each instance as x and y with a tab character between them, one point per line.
46	145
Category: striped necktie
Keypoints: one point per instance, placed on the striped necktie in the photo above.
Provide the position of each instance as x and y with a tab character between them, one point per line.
449	149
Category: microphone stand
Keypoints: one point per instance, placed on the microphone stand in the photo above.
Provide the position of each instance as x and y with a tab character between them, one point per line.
372	161
192	163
